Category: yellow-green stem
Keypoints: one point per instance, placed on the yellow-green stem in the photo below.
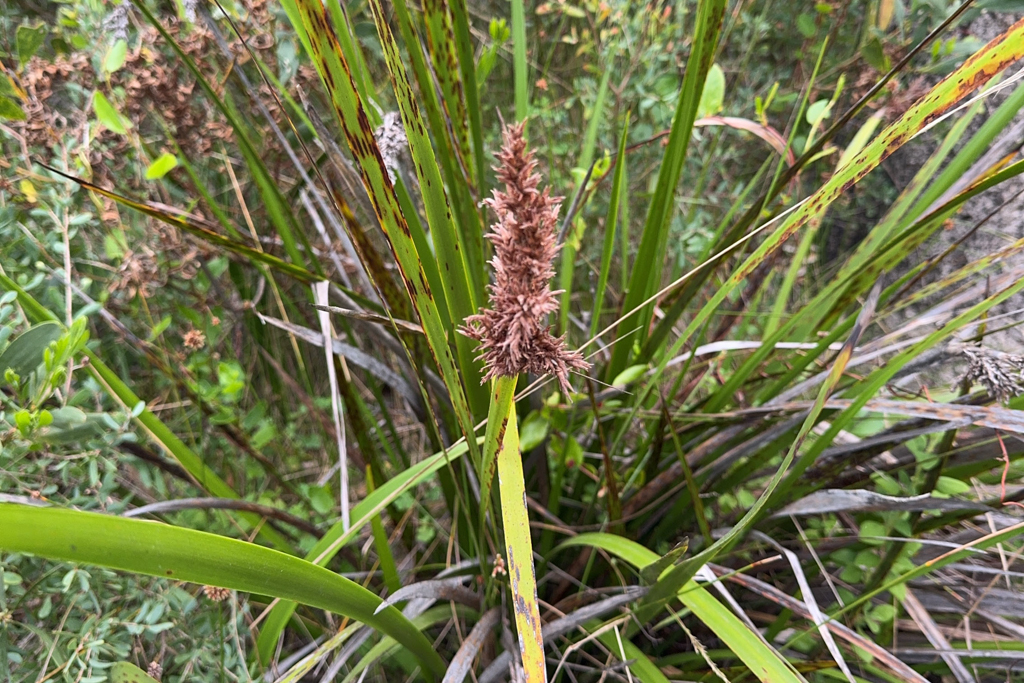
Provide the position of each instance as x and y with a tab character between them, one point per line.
518	545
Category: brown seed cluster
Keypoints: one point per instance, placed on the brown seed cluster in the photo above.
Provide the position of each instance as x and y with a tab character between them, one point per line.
194	340
513	334
216	593
1002	374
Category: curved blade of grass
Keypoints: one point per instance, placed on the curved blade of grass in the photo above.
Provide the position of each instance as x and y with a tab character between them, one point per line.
198	557
387	645
204	477
334	73
653	242
641	667
203	233
337	537
751	650
459	299
518	544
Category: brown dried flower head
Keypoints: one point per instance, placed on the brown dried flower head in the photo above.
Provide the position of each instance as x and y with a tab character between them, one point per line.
514	335
194	340
1002	374
216	593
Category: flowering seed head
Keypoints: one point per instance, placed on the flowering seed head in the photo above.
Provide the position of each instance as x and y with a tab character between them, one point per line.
513	334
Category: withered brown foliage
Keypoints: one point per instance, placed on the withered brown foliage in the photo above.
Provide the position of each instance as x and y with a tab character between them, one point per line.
514	335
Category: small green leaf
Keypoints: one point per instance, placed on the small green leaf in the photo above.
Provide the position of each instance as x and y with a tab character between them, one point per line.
10	110
45	418
321	499
29	40
874	55
871	532
951	486
115	56
629	375
123	672
712	99
66	417
533	431
25	353
22	420
805	24
818	111
159	328
161	166
108	115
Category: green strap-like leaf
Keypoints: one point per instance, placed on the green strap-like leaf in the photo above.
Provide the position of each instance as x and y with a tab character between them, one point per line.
748	646
336	537
187	555
441	46
518	544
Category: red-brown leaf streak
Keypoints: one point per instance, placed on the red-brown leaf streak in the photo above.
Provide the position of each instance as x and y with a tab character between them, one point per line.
359	135
440	45
412	117
457	292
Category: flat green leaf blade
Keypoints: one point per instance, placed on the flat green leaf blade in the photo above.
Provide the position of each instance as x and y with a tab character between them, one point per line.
336	537
198	557
123	672
25	353
258	255
518	544
441	46
748	646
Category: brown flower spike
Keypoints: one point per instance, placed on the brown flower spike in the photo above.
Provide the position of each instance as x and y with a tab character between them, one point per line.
513	333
